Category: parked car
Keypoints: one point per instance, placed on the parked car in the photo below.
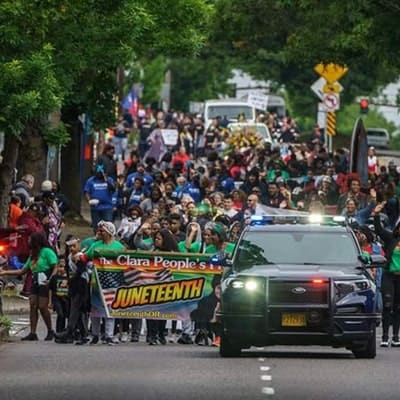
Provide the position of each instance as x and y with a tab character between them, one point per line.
298	281
378	137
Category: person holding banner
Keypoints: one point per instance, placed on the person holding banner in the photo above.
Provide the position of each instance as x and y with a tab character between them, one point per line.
164	240
106	231
78	285
42	262
204	314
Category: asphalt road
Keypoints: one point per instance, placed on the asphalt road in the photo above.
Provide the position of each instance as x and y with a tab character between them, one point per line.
45	370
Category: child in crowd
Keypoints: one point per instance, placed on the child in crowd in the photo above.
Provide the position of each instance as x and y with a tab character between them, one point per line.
58	295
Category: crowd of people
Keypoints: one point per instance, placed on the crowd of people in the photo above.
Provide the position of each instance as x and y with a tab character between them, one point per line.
195	196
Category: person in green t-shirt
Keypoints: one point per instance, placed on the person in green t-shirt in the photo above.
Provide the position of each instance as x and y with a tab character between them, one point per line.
218	236
193	241
144	237
41	262
106	230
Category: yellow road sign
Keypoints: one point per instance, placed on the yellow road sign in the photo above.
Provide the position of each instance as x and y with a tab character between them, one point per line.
331	72
331	124
332	88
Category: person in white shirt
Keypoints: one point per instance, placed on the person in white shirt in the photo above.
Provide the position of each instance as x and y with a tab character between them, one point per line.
228	206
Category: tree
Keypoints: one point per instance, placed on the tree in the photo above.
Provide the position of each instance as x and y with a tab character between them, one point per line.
282	40
64	56
199	78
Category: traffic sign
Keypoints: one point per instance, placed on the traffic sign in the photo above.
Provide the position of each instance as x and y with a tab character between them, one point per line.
334	87
331	72
320	86
331	101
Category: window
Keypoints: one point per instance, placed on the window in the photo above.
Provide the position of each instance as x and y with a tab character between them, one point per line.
231	111
259	248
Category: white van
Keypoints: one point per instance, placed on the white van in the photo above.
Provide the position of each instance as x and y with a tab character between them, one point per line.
229	108
378	137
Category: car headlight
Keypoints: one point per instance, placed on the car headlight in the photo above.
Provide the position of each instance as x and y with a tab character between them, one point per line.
248	284
344	288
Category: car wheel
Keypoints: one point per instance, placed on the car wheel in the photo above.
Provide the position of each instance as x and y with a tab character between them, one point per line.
227	349
369	350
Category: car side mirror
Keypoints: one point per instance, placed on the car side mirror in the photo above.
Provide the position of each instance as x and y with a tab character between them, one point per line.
378	261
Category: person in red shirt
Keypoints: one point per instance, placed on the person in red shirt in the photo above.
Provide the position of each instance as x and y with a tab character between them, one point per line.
181	158
14	211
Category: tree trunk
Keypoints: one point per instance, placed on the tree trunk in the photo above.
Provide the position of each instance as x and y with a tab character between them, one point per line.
7	174
72	171
33	155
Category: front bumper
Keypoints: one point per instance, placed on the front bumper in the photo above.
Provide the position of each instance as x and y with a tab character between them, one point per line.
338	331
326	321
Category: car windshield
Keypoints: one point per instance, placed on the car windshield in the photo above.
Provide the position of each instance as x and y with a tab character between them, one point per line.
304	248
376	133
260	129
230	111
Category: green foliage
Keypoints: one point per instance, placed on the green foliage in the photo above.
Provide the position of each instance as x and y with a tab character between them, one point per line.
28	89
282	40
58	135
5	322
199	78
62	55
153	78
347	116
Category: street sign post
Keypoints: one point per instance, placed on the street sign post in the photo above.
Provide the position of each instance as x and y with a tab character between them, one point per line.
327	88
321	115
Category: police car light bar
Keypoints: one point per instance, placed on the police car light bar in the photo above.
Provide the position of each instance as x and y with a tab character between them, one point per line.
301	218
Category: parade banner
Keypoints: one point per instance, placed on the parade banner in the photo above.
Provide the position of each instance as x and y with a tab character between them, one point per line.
152	285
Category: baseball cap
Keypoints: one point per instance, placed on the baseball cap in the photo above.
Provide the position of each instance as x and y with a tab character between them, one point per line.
327	179
46	186
71	241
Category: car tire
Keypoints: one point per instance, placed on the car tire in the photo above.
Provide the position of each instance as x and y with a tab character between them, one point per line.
227	349
369	350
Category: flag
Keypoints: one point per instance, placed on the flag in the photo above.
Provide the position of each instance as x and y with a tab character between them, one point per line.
134	277
358	152
109	282
130	103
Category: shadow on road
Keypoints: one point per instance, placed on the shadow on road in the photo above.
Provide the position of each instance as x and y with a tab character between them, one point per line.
297	354
279	354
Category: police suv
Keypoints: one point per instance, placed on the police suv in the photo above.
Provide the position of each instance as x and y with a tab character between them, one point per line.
299	281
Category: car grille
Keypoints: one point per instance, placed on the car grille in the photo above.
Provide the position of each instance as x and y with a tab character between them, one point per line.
297	292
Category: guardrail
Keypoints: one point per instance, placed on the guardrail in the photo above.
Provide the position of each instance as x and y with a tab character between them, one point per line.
388	153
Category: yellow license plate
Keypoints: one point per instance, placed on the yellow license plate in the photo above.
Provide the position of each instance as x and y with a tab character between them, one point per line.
293	319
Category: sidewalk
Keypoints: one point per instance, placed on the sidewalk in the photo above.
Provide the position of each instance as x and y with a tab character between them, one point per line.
15	305
12	303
